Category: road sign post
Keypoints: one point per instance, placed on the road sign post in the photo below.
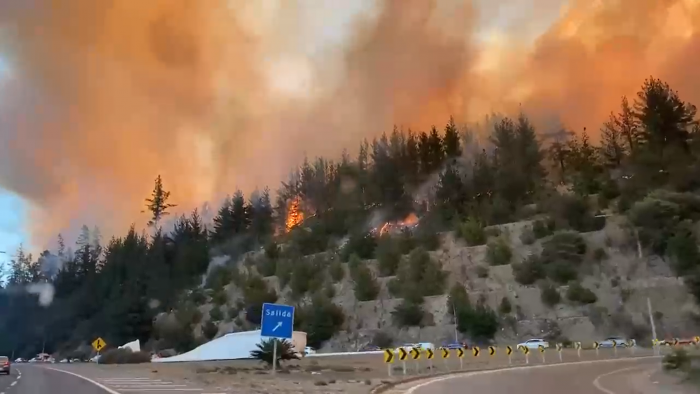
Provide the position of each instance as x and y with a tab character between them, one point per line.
277	322
98	344
415	354
578	349
596	345
542	352
560	347
445	356
389	359
526	352
402	356
509	351
460	354
430	355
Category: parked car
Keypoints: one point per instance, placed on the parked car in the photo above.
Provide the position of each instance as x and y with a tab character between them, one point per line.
613	341
534	343
5	365
452	345
309	350
370	348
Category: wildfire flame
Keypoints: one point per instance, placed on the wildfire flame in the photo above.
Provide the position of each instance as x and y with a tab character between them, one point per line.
409	221
294	214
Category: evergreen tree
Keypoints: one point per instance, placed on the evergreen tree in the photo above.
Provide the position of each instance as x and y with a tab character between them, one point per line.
451	140
158	203
613	147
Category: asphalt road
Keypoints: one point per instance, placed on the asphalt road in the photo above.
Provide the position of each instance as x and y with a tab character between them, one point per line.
617	377
32	380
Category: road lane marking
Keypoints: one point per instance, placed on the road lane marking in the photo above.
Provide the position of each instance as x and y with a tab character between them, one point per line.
13	383
412	389
160	389
98	384
596	381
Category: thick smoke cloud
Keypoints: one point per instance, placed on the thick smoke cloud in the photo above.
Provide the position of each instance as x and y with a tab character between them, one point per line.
101	96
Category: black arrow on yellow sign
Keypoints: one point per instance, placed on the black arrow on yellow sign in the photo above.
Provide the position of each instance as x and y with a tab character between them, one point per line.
509	350
541	348
445	353
596	345
402	354
460	352
388	356
492	350
415	353
430	354
525	349
475	351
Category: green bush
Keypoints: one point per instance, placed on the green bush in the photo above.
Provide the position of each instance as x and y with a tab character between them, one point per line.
457	299
542	228
124	356
336	271
409	313
427	237
472	232
210	329
320	319
549	295
574	212
482	271
219	297
382	340
678	360
308	275
215	314
599	254
388	255
579	294
420	275
406	241
361	244
498	252
198	297
480	323
266	352
562	255
219	277
266	266
505	307
527	237
365	285
529	271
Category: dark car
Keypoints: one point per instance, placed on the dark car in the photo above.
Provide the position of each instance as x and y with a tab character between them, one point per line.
4	365
453	345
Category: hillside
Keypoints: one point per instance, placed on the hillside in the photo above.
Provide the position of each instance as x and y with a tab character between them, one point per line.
509	235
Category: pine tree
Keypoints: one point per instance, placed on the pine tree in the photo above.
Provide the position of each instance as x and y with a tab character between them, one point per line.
425	154
437	149
628	126
158	203
412	159
239	213
452	140
613	149
223	222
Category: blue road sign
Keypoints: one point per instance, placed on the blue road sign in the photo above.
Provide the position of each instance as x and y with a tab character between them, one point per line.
277	321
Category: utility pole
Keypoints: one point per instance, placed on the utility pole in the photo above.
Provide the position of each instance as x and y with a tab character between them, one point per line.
454	315
653	327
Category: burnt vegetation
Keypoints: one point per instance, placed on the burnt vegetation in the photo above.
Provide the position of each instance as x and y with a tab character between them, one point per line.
315	233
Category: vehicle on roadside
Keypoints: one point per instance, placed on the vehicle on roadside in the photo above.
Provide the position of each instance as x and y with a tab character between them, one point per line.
5	365
370	348
534	343
309	350
409	346
453	345
681	341
610	342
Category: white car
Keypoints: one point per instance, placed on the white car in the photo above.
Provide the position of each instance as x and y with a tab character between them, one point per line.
309	350
534	344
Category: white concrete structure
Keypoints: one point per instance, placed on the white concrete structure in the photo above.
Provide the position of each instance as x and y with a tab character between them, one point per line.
237	345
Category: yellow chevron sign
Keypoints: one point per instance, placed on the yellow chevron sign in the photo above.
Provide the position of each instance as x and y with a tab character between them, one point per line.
460	352
402	354
388	356
430	354
445	353
509	350
475	351
541	348
415	353
559	347
697	340
525	350
578	345
492	350
596	345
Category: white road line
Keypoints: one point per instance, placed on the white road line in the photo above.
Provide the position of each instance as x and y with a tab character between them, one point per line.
98	384
160	389
146	385
140	383
13	383
127	379
596	381
411	390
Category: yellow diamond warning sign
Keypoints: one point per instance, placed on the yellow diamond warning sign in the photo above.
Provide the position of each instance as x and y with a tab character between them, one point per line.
99	344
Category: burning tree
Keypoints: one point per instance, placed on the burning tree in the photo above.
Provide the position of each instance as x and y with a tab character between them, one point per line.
294	214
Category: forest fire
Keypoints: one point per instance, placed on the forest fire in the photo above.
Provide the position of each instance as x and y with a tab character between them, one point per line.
294	214
409	221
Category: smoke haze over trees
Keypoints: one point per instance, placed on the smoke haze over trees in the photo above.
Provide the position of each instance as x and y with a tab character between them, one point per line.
96	101
647	167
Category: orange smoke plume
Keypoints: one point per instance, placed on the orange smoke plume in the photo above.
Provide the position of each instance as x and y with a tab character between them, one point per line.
97	97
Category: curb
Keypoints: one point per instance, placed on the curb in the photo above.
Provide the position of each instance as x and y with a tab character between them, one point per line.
383	387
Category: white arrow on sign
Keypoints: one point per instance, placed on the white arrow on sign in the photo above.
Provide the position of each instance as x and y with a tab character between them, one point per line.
279	324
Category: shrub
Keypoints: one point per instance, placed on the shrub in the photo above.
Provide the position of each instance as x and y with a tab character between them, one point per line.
562	255
505	307
336	270
219	277
472	232
527	237
541	228
458	299
382	340
683	253
388	256
574	212
599	254
679	360
124	356
215	314
422	274
210	329
481	323
529	271
482	271
233	312
198	297
498	252
321	319
579	294
426	236
361	244
409	313
219	297
256	293
308	275
549	295
266	266
406	241
265	351
365	285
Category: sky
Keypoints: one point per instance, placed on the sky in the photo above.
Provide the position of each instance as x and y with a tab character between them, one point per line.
98	98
